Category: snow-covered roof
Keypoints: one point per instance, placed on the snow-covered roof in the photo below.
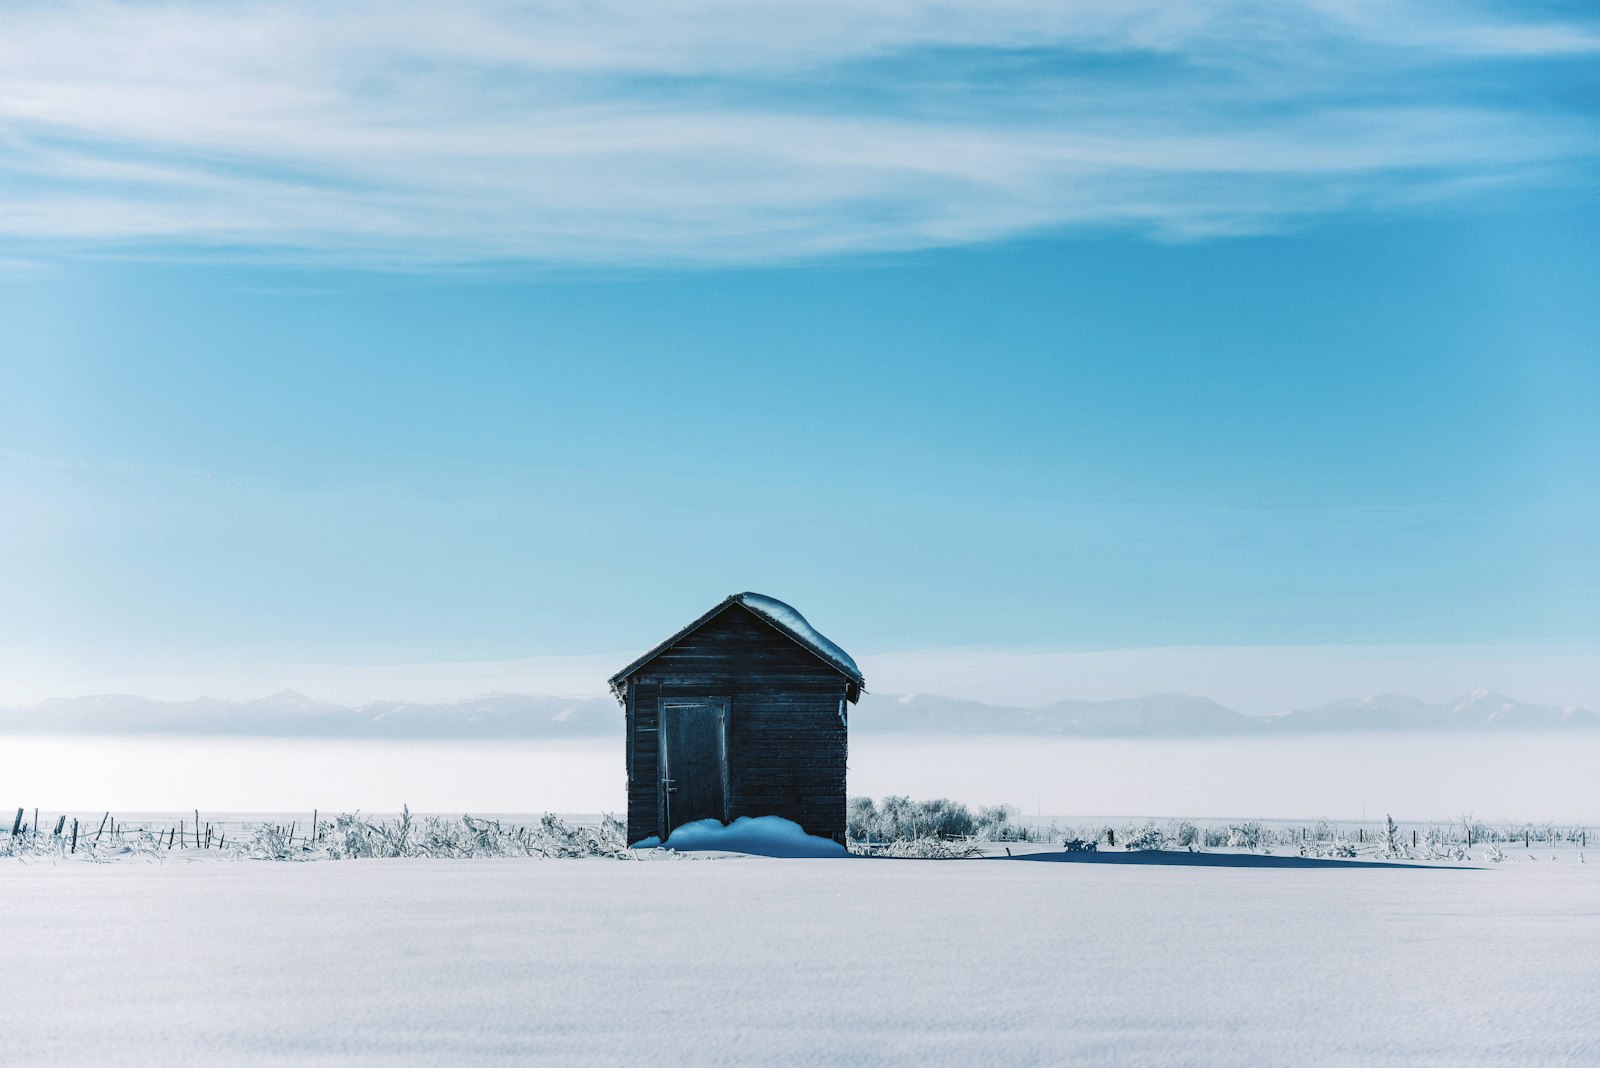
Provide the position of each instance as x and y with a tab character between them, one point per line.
782	616
787	619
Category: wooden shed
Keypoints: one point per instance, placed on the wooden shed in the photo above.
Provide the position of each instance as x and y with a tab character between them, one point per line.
743	712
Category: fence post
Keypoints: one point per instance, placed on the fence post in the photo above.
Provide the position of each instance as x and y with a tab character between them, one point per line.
74	836
16	824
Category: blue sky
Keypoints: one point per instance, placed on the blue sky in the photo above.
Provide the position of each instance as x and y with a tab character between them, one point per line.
391	336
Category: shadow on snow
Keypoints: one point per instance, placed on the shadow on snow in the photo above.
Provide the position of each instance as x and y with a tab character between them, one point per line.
1184	858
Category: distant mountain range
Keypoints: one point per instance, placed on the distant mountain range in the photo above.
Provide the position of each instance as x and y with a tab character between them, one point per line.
293	715
1162	715
1180	715
1157	714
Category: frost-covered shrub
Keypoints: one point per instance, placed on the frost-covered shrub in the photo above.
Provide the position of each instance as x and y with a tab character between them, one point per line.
1147	837
1391	837
1337	846
31	846
350	837
1250	835
1183	834
943	818
899	826
1441	844
863	820
918	849
902	818
268	842
861	817
28	846
994	825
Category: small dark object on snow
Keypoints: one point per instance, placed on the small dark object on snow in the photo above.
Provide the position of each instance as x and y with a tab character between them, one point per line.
1078	845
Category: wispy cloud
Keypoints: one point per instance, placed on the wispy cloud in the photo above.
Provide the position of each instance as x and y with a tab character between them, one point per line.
401	133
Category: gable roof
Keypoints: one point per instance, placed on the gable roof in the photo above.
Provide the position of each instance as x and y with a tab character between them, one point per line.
784	618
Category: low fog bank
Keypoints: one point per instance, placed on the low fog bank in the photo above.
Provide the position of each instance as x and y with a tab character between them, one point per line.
1533	776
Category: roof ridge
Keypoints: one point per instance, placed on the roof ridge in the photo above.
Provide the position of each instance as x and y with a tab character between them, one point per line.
782	617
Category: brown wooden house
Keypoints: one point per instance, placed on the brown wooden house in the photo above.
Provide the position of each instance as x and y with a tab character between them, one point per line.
743	712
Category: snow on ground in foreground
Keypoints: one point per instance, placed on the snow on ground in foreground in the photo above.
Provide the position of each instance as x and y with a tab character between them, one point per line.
791	962
765	836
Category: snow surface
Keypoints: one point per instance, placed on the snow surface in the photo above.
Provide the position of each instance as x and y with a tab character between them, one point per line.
762	836
787	962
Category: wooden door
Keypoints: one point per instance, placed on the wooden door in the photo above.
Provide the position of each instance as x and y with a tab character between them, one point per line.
694	762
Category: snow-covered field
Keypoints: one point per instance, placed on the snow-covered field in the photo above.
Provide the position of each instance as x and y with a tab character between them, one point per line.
197	956
800	962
